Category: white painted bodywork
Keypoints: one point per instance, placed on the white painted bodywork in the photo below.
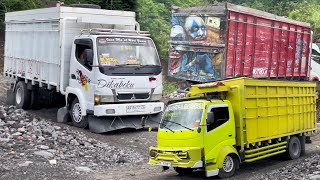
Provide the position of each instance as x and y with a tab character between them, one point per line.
40	49
315	66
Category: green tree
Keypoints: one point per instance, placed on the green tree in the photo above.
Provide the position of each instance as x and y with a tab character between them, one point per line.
126	5
17	5
309	12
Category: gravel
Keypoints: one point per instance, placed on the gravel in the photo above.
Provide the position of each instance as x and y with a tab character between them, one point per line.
308	168
26	140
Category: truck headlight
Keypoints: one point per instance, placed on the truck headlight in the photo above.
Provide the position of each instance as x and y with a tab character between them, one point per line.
103	99
156	97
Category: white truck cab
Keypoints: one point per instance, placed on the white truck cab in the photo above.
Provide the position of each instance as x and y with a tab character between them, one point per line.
114	74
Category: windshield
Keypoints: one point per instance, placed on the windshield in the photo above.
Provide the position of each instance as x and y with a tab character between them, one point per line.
186	114
114	51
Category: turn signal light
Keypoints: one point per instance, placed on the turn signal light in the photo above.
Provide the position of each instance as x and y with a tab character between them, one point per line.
97	100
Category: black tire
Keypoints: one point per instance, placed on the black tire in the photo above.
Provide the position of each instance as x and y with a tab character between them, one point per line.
22	96
35	103
294	148
75	112
91	6
183	171
229	167
303	145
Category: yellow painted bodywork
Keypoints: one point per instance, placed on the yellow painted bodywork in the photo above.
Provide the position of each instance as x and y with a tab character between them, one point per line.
259	110
178	157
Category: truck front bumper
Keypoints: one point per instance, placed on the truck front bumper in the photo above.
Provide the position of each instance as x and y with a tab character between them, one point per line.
181	157
127	109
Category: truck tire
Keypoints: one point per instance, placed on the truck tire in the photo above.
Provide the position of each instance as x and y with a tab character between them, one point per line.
183	171
294	148
22	96
77	119
228	168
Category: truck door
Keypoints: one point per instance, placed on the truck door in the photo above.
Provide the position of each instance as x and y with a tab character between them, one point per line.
219	132
81	72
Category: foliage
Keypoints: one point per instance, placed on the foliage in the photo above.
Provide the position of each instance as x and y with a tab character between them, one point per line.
309	12
169	87
127	5
17	5
278	7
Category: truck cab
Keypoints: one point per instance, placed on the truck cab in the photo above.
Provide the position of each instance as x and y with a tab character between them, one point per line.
192	135
114	73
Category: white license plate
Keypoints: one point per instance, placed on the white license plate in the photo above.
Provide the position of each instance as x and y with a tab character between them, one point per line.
136	108
161	163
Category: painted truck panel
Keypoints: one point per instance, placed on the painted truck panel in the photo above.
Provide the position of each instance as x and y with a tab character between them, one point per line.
227	41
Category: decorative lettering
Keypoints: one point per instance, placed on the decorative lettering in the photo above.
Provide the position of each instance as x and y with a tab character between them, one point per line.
115	84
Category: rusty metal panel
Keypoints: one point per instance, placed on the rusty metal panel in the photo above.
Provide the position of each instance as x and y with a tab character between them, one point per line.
260	47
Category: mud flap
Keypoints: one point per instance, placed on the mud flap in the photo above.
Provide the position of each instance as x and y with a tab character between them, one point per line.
63	115
10	97
106	124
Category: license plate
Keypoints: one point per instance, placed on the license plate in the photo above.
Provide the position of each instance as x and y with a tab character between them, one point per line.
161	163
135	108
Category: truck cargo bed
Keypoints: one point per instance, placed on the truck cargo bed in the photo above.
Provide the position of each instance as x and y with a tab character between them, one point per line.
226	41
268	109
38	42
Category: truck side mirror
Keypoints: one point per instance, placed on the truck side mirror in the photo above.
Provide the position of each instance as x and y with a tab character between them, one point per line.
210	117
88	57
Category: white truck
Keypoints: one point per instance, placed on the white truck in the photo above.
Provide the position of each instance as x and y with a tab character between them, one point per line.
106	68
315	63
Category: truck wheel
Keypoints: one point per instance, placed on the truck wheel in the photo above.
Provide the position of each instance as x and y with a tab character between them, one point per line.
77	119
22	96
228	168
294	148
183	171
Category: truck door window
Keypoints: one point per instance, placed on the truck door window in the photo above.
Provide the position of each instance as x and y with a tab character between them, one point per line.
221	116
81	46
315	56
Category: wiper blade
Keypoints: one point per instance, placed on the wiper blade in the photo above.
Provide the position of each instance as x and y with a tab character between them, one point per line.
166	127
179	124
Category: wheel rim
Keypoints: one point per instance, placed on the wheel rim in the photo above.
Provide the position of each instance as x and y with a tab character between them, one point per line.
228	164
19	95
76	113
295	149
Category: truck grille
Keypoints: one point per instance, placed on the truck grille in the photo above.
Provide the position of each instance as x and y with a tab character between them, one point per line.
133	96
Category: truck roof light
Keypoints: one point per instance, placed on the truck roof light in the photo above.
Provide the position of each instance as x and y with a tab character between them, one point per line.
212	84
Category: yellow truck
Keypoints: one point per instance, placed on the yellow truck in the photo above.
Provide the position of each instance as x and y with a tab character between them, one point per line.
222	124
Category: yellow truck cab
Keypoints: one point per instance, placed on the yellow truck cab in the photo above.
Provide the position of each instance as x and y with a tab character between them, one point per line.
221	124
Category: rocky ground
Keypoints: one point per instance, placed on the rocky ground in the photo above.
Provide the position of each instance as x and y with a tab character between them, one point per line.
308	168
28	142
33	146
